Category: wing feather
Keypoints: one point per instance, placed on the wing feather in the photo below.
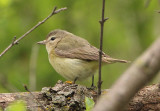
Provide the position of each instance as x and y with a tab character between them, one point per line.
80	49
85	53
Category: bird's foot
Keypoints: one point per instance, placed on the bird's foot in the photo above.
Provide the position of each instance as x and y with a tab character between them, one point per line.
92	87
69	82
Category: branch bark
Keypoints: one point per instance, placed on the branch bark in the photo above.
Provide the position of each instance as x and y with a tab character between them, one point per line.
139	73
147	99
61	97
70	97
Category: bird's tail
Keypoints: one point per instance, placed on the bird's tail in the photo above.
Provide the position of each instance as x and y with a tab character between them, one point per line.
112	60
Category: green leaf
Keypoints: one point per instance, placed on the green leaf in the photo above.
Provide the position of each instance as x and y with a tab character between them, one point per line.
17	106
89	103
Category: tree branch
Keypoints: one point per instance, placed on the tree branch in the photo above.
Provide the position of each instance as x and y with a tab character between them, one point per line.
33	28
69	97
139	73
61	97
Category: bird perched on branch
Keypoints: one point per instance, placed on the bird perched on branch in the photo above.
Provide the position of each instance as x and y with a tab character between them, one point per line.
73	57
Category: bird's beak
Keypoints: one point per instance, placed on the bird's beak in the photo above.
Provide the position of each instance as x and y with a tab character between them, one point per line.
42	42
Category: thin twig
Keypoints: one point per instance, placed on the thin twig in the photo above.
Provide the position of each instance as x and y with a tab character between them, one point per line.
101	44
33	28
13	41
43	107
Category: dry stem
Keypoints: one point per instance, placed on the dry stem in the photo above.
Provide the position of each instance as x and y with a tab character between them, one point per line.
101	44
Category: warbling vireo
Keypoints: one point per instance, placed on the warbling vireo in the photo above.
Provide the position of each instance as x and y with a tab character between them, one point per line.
72	56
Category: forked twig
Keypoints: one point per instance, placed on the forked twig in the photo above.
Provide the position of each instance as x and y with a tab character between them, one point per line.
33	28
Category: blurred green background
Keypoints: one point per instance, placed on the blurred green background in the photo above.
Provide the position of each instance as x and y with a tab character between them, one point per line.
131	28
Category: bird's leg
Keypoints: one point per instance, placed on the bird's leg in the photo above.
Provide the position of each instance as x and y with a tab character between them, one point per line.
75	80
92	85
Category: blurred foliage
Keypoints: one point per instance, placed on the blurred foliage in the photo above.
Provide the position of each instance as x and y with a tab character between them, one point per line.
17	106
131	28
89	103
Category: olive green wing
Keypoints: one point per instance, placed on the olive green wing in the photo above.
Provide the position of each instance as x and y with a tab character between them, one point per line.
78	48
85	53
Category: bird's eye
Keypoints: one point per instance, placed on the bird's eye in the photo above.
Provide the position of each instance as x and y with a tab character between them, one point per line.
53	38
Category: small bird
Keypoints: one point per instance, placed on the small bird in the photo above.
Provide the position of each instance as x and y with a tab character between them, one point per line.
73	57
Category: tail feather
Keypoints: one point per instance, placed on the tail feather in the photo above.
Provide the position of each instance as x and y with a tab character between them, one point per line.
112	60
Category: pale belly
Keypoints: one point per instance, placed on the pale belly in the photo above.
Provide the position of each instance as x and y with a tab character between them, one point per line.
73	68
